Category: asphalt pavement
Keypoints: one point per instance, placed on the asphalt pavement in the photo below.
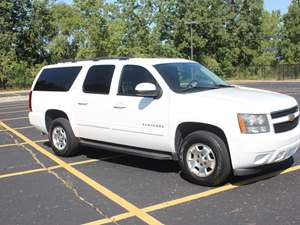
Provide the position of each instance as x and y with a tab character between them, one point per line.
101	187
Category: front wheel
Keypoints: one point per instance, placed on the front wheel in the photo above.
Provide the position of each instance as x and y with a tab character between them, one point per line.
204	159
62	138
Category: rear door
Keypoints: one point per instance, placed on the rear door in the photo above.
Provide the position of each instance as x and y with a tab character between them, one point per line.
93	104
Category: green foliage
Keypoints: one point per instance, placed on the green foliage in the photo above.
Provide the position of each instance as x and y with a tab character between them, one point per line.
290	43
268	51
212	63
65	24
25	32
229	37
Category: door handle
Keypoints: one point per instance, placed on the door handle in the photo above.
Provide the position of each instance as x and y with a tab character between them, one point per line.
82	103
120	106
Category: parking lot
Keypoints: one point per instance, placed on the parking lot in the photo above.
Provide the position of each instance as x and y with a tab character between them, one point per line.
101	187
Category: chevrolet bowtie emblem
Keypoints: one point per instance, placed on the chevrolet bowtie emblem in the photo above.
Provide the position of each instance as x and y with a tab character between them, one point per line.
291	117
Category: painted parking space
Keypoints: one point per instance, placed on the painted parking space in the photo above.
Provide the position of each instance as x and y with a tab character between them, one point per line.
147	181
115	198
42	199
24	122
271	201
154	187
20	158
5	138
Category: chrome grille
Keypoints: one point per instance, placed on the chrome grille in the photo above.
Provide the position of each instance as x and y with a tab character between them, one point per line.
285	120
284	112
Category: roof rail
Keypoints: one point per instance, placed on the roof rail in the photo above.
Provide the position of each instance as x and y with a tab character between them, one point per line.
94	59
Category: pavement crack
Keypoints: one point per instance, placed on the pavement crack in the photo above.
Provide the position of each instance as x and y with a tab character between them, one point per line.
67	184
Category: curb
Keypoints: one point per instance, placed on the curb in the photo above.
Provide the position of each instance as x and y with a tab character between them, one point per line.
13	99
262	81
13	92
12	96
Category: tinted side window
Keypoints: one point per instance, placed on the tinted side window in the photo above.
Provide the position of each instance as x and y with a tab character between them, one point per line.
98	79
132	76
57	79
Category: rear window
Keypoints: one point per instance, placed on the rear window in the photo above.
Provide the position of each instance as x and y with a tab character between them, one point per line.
57	79
98	79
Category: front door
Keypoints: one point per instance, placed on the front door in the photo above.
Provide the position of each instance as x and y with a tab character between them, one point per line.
139	121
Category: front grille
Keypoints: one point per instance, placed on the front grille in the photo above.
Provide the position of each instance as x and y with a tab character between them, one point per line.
286	126
284	112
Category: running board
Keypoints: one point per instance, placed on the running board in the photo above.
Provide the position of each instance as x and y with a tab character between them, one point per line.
147	153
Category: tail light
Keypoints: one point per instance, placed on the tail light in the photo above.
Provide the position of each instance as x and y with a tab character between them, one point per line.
30	101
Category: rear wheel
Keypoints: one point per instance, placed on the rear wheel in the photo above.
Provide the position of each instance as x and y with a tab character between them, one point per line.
205	159
62	138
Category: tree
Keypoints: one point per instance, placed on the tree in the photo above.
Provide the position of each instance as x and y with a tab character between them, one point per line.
66	22
25	31
30	23
268	51
290	43
92	35
228	34
246	29
136	19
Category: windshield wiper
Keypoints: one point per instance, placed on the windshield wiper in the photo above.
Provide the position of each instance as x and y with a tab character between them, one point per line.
197	88
217	86
223	86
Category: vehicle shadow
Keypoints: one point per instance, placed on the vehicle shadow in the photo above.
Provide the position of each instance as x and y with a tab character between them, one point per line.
168	166
164	166
267	173
173	166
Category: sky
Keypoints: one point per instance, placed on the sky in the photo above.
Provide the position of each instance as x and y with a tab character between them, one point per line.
281	5
270	5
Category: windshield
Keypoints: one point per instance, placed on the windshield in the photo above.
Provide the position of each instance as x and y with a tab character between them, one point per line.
189	77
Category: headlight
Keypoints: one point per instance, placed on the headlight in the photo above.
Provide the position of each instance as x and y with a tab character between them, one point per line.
253	123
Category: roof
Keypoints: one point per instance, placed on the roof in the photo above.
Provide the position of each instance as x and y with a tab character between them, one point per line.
115	60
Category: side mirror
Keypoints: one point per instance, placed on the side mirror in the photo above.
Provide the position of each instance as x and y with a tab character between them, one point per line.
147	90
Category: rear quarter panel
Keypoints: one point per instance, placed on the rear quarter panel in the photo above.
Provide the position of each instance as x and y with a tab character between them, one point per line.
42	101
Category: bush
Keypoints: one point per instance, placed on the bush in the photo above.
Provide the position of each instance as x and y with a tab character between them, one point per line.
20	74
212	64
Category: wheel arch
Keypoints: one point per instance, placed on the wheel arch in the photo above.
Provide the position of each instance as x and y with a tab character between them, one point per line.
52	114
185	128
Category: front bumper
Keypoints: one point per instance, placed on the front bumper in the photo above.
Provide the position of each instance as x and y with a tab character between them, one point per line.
265	168
250	151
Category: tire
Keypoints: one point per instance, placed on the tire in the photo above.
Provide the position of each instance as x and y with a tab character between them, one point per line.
70	146
211	169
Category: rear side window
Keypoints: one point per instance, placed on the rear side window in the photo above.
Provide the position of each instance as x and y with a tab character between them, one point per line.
57	79
98	79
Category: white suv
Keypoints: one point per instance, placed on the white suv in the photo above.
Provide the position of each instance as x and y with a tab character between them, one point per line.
169	109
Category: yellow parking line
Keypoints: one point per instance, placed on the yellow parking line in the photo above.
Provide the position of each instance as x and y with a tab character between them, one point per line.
22	143
4	113
25	172
19	173
19	128
17	118
193	197
97	186
9	145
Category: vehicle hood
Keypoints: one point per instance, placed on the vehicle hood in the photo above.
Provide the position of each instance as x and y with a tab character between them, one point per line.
247	100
